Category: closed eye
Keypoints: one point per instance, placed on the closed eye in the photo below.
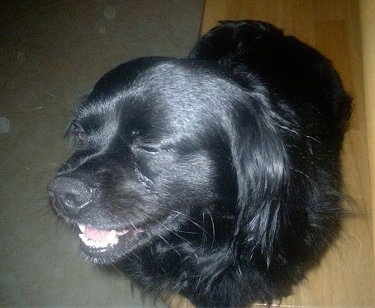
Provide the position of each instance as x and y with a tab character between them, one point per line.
78	133
152	148
149	148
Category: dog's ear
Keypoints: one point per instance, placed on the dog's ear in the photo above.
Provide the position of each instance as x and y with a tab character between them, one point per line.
261	164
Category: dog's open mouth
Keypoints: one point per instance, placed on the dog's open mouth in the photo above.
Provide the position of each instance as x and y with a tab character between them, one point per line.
109	245
95	242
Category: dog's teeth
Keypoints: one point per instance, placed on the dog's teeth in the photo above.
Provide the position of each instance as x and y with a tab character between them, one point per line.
110	241
112	237
84	239
82	228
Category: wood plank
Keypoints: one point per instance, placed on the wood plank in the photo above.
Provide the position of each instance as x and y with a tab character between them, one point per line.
368	47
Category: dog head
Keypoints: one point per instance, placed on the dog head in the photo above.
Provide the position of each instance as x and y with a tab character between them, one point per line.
160	144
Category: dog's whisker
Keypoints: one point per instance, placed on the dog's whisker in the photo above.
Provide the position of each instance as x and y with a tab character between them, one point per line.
163	225
213	230
135	228
169	244
188	219
41	213
117	270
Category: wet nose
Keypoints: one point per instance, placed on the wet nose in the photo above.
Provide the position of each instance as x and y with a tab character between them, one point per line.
70	194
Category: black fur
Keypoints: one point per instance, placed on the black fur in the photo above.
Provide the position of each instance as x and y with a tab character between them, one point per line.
223	167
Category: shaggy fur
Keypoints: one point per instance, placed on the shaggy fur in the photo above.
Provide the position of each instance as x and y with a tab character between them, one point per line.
218	174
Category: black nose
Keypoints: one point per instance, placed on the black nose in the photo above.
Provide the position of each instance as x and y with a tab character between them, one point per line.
70	194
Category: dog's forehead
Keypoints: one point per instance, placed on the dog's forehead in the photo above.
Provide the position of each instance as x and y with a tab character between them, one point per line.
192	84
169	95
178	96
186	88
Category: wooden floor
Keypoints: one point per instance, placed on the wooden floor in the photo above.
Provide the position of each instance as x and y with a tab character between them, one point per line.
345	277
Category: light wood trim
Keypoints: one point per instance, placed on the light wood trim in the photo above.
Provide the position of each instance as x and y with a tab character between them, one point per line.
367	11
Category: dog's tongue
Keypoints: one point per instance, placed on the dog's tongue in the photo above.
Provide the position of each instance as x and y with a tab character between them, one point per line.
96	234
99	238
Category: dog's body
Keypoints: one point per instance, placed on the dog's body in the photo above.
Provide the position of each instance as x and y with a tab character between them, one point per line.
215	176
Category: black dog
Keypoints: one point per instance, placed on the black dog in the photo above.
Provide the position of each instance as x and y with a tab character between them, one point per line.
215	176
